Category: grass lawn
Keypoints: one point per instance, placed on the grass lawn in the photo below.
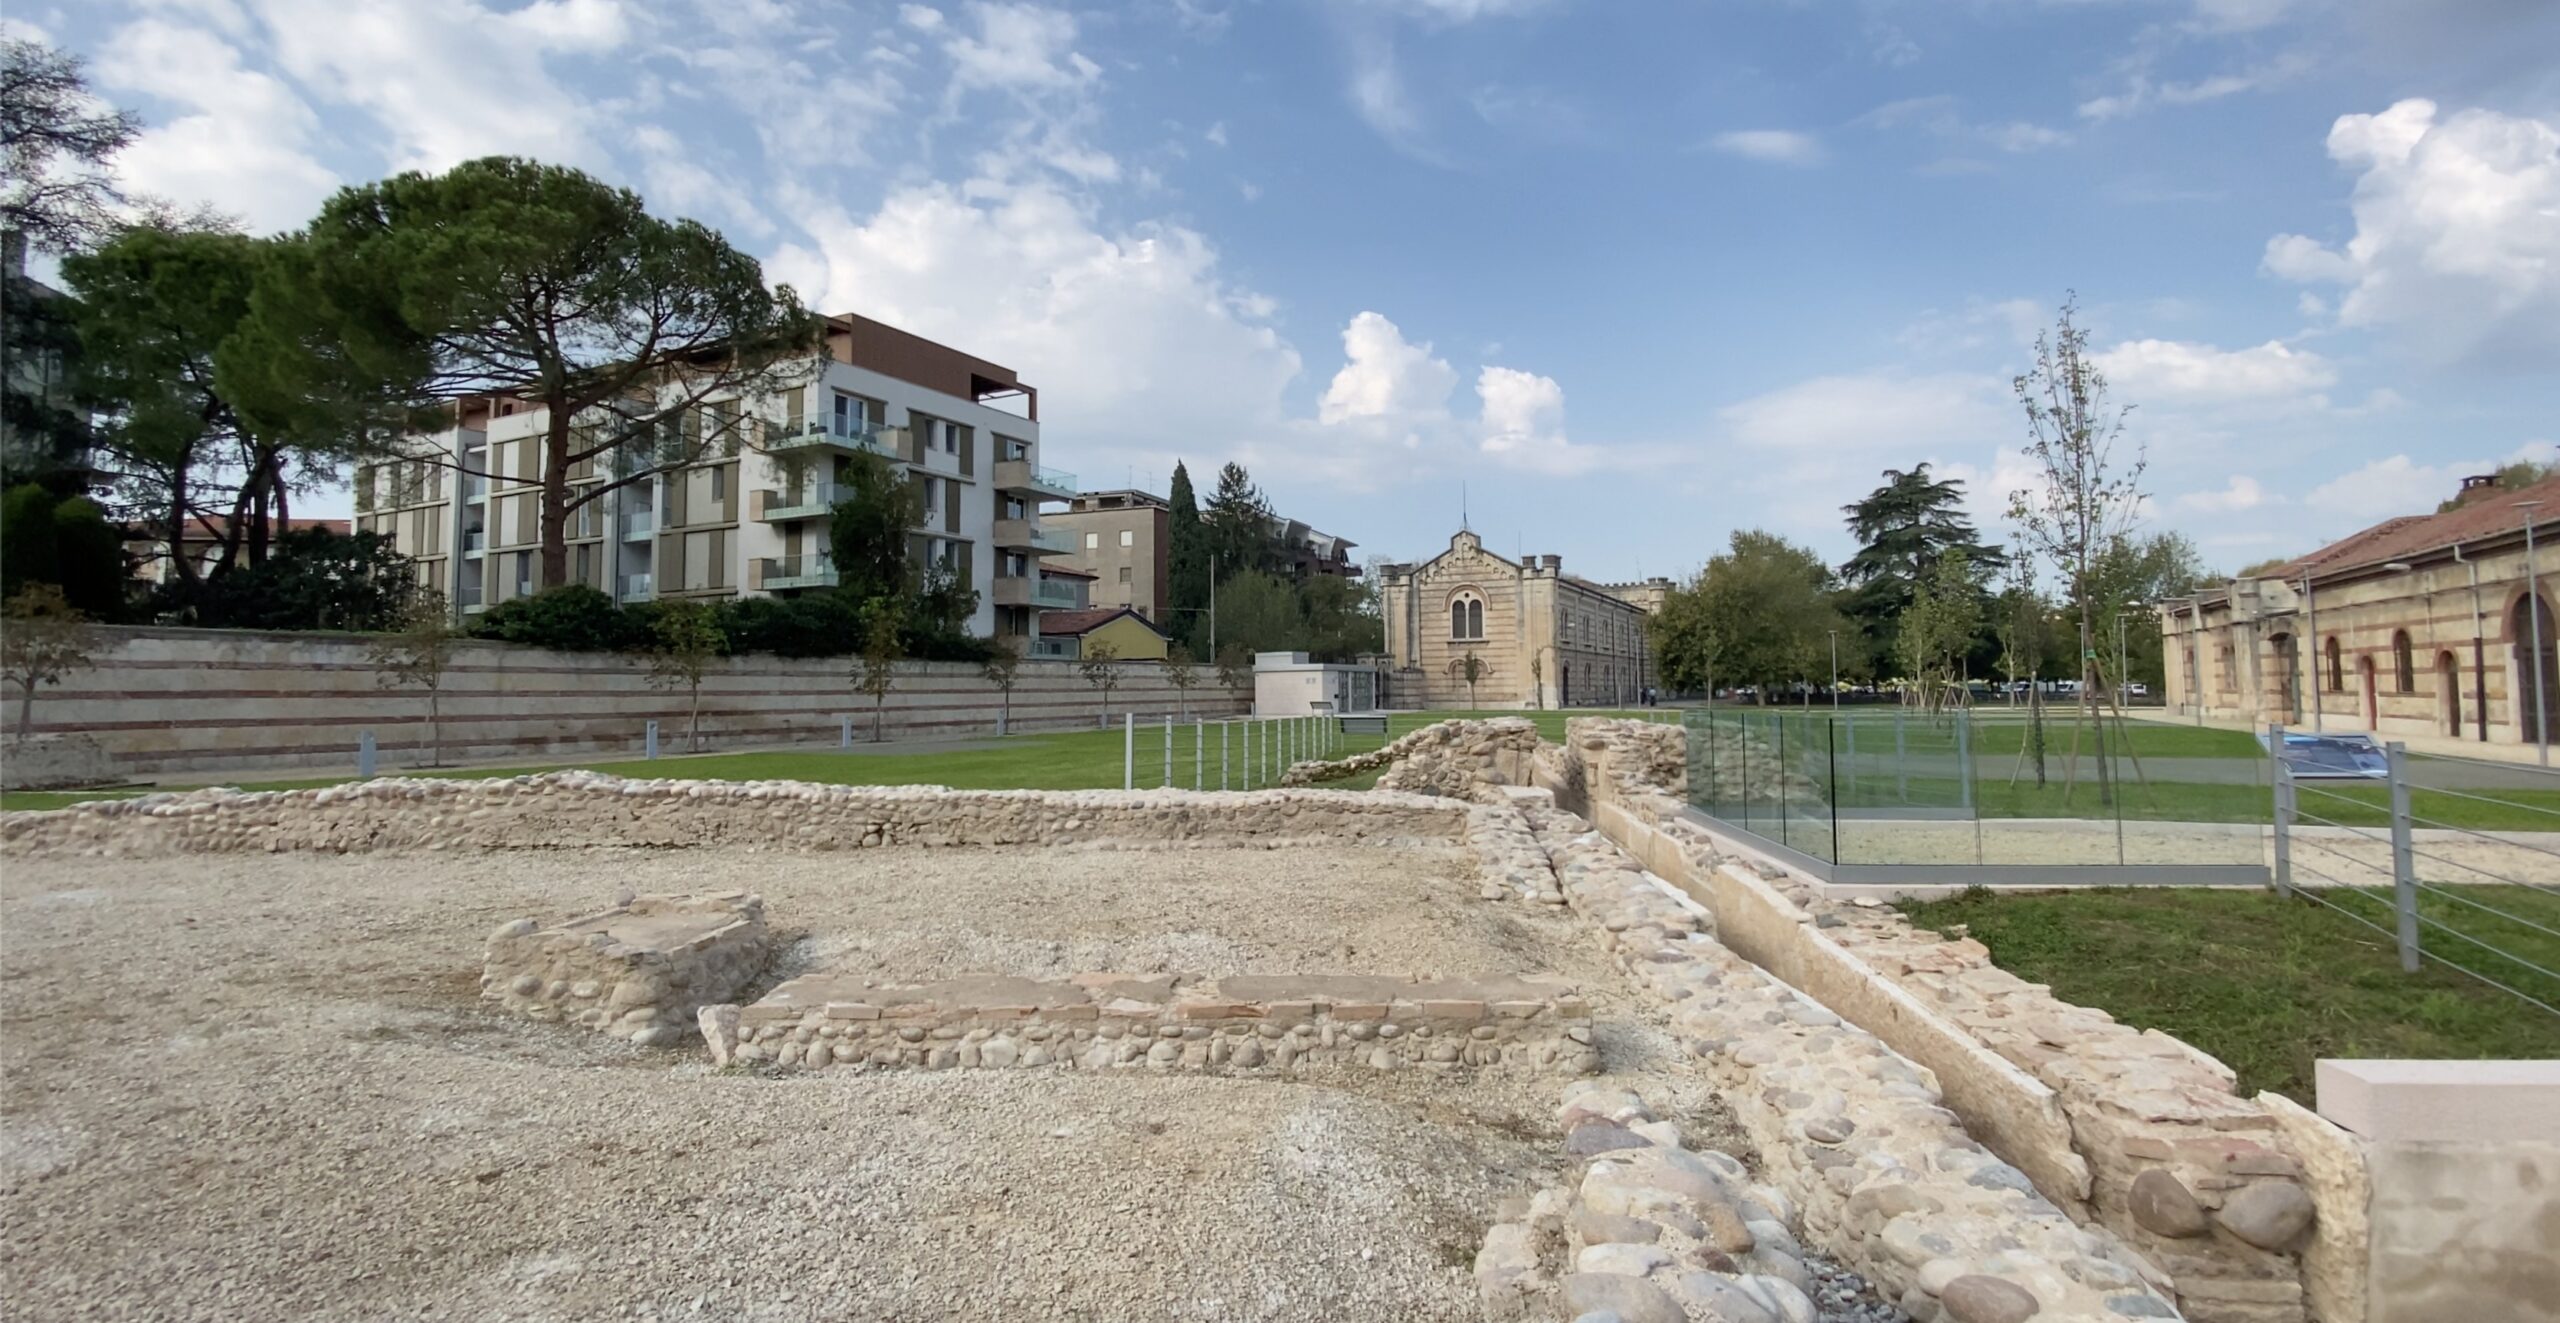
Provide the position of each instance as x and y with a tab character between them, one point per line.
2270	985
1072	760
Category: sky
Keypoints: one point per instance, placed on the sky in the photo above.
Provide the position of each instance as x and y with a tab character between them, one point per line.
1608	279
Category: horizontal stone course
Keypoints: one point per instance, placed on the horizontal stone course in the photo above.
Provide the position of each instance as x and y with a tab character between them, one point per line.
1247	1023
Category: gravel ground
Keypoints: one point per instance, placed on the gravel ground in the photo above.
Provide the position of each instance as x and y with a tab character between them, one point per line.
263	1087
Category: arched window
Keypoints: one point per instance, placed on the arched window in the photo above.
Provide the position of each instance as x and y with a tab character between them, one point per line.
2404	661
1466	615
2337	668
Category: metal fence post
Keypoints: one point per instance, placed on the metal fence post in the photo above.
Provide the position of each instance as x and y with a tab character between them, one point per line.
2281	777
1901	770
1964	761
1223	728
2404	869
364	755
1168	753
1128	750
844	731
1199	745
653	739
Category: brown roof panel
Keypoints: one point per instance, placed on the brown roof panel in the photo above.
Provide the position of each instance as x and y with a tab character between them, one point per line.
2486	516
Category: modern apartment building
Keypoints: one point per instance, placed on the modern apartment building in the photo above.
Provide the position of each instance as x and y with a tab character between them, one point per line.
1120	538
752	522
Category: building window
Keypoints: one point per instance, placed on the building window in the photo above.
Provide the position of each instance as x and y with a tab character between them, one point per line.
1124	574
720	482
1466	617
2337	668
1128	537
1092	541
2404	661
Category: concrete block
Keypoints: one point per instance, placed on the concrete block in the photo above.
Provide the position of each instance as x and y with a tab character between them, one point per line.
2421	1101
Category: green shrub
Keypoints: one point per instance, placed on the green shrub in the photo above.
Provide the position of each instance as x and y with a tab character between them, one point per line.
809	625
312	578
570	618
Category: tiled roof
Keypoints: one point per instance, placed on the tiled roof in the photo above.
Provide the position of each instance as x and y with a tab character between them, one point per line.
2404	536
1067	624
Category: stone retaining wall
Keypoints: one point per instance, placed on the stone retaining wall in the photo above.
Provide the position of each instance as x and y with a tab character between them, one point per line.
54	762
573	809
1883	1175
640	970
2133	1130
206	700
1245	1023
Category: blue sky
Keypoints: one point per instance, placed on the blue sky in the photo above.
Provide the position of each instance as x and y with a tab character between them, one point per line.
1633	274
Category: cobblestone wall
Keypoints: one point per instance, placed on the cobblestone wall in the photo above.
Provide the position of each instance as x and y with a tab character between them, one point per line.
1103	1021
639	970
1448	758
2129	1129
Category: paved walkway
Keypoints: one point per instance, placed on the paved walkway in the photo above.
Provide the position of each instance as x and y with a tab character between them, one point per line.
2435	745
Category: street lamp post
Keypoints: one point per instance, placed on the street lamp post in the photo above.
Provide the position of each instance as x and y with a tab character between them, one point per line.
1835	671
2533	608
2309	651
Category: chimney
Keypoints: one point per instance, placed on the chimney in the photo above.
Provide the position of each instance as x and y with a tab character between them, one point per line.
2476	487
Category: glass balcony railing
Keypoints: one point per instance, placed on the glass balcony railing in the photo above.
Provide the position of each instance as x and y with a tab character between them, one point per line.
637	525
796	572
1049	592
639	587
474	540
1056	480
809	500
1054	649
833	433
1053	539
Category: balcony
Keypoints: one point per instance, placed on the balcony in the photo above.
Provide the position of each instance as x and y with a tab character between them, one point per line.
474	540
638	588
828	435
1028	535
1021	475
808	502
1016	590
1054	594
776	573
637	525
1052	649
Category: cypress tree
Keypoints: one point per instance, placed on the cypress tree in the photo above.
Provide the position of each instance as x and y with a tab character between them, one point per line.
1186	563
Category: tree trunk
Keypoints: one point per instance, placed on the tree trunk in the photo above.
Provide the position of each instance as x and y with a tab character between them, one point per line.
693	716
555	498
879	717
435	729
26	706
2089	703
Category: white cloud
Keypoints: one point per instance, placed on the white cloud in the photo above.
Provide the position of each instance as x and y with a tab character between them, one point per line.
1149	350
1783	146
2005	324
1019	48
2142	91
2240	15
2241	493
2399	485
1378	95
573	25
446	84
243	146
1520	426
1216	134
1870	413
2183	371
2019	136
2457	242
1385	377
923	18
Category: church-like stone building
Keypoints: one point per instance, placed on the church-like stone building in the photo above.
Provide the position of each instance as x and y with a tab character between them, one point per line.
1538	637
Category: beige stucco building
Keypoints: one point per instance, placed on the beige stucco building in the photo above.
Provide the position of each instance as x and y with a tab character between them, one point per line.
1541	637
1123	539
2419	625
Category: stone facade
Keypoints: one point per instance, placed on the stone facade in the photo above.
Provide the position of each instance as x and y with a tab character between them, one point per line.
640	970
54	762
1256	1024
2416	626
1541	637
1448	758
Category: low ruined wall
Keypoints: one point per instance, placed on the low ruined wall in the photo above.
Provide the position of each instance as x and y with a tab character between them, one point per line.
640	970
571	809
54	762
2131	1130
1883	1176
203	700
1450	758
1246	1023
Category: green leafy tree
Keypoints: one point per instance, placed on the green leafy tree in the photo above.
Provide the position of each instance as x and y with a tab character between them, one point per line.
1260	613
2086	496
1903	527
157	309
1342	618
44	431
883	647
418	651
1100	667
1183	674
689	644
1003	669
573	617
1235	669
870	531
64	542
1187	571
1766	604
1470	670
42	639
2023	619
647	343
1688	649
2132	575
1937	630
1238	529
315	578
57	148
